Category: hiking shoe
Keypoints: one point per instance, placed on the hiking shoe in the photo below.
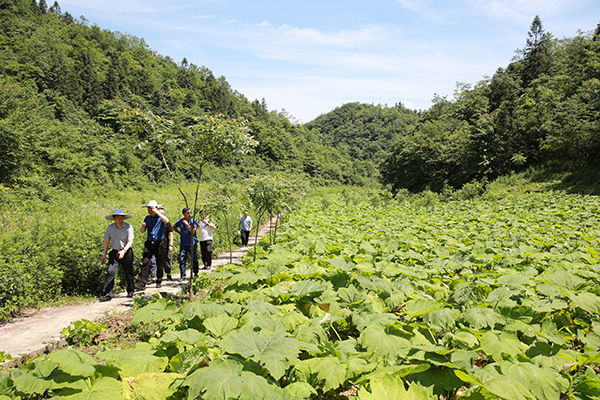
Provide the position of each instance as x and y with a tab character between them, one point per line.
169	278
140	287
104	298
158	285
130	294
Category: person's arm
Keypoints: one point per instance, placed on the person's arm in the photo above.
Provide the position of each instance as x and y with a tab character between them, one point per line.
176	229
208	223
161	216
105	244
127	247
170	241
250	228
143	229
240	225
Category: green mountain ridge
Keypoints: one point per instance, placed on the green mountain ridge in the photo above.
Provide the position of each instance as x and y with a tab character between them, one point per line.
65	83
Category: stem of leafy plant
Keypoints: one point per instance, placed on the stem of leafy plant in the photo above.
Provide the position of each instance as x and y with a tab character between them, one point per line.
336	332
162	154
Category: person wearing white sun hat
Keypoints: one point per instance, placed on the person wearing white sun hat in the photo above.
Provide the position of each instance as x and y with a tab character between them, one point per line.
154	224
119	235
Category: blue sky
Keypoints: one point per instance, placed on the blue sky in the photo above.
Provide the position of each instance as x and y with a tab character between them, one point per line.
308	57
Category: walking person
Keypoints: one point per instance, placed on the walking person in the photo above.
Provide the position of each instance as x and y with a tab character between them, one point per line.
205	236
155	245
245	226
168	249
186	228
119	235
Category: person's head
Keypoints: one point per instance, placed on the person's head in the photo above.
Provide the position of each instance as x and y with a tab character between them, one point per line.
118	216
187	213
246	213
119	219
153	207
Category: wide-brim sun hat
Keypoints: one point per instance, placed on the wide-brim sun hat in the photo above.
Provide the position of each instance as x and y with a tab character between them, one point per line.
153	203
117	211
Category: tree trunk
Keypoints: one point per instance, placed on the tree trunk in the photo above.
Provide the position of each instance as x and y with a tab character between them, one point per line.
228	237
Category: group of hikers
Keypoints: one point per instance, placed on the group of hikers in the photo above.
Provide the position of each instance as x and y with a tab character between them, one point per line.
158	245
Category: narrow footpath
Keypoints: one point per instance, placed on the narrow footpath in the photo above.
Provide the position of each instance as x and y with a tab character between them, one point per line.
40	332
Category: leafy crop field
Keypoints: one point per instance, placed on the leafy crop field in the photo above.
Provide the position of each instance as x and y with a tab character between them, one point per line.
383	299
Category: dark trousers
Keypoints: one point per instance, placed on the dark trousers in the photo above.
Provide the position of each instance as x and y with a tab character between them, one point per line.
206	250
245	235
184	253
157	249
113	265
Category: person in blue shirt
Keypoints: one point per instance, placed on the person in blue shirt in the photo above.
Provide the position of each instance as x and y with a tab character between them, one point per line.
154	224
188	245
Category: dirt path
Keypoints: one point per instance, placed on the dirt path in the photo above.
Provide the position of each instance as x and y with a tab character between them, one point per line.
41	331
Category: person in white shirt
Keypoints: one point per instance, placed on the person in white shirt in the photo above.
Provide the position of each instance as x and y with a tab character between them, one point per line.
205	237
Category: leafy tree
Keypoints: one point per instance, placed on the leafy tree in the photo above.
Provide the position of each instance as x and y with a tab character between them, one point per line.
43	6
226	198
537	52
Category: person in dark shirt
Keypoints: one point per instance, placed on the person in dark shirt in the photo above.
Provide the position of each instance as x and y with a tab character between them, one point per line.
155	245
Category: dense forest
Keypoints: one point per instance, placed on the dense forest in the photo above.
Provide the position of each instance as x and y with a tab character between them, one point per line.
541	111
65	83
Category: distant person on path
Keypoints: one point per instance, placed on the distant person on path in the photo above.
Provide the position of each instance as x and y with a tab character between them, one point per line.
186	228
155	245
245	226
119	235
168	249
205	236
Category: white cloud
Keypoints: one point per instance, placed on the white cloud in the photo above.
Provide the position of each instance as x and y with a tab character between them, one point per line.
204	16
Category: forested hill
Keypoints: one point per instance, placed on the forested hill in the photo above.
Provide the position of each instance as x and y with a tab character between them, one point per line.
364	131
64	84
540	111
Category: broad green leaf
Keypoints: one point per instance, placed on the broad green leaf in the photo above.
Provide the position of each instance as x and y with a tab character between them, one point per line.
543	383
329	370
273	350
382	345
158	310
42	378
351	296
220	325
543	305
363	320
418	307
496	344
587	301
303	288
479	318
390	388
189	360
442	379
300	389
74	362
224	379
101	389
135	361
202	310
393	371
313	334
150	386
441	319
187	336
587	387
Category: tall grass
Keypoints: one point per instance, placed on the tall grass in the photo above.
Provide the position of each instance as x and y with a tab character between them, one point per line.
52	247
